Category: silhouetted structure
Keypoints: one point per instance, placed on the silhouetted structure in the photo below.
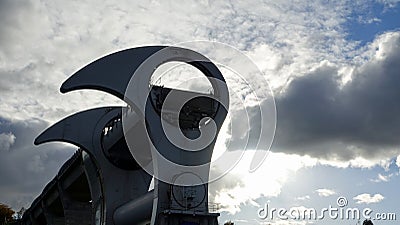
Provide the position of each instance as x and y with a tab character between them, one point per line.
367	222
102	183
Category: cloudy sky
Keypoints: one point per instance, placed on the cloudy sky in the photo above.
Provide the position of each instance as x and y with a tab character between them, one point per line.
333	66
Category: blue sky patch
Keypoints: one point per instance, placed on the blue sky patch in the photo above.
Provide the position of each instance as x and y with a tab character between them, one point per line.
376	19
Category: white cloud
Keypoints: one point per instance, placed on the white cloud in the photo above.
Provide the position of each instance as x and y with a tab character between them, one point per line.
389	3
358	162
6	141
398	161
323	192
266	181
369	20
303	198
367	198
382	178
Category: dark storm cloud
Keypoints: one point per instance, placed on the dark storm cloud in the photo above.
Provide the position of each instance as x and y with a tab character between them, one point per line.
25	169
320	117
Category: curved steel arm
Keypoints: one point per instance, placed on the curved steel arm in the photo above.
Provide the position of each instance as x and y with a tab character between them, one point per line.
78	129
113	73
110	73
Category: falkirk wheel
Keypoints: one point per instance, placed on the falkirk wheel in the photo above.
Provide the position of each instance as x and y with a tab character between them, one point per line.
121	149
